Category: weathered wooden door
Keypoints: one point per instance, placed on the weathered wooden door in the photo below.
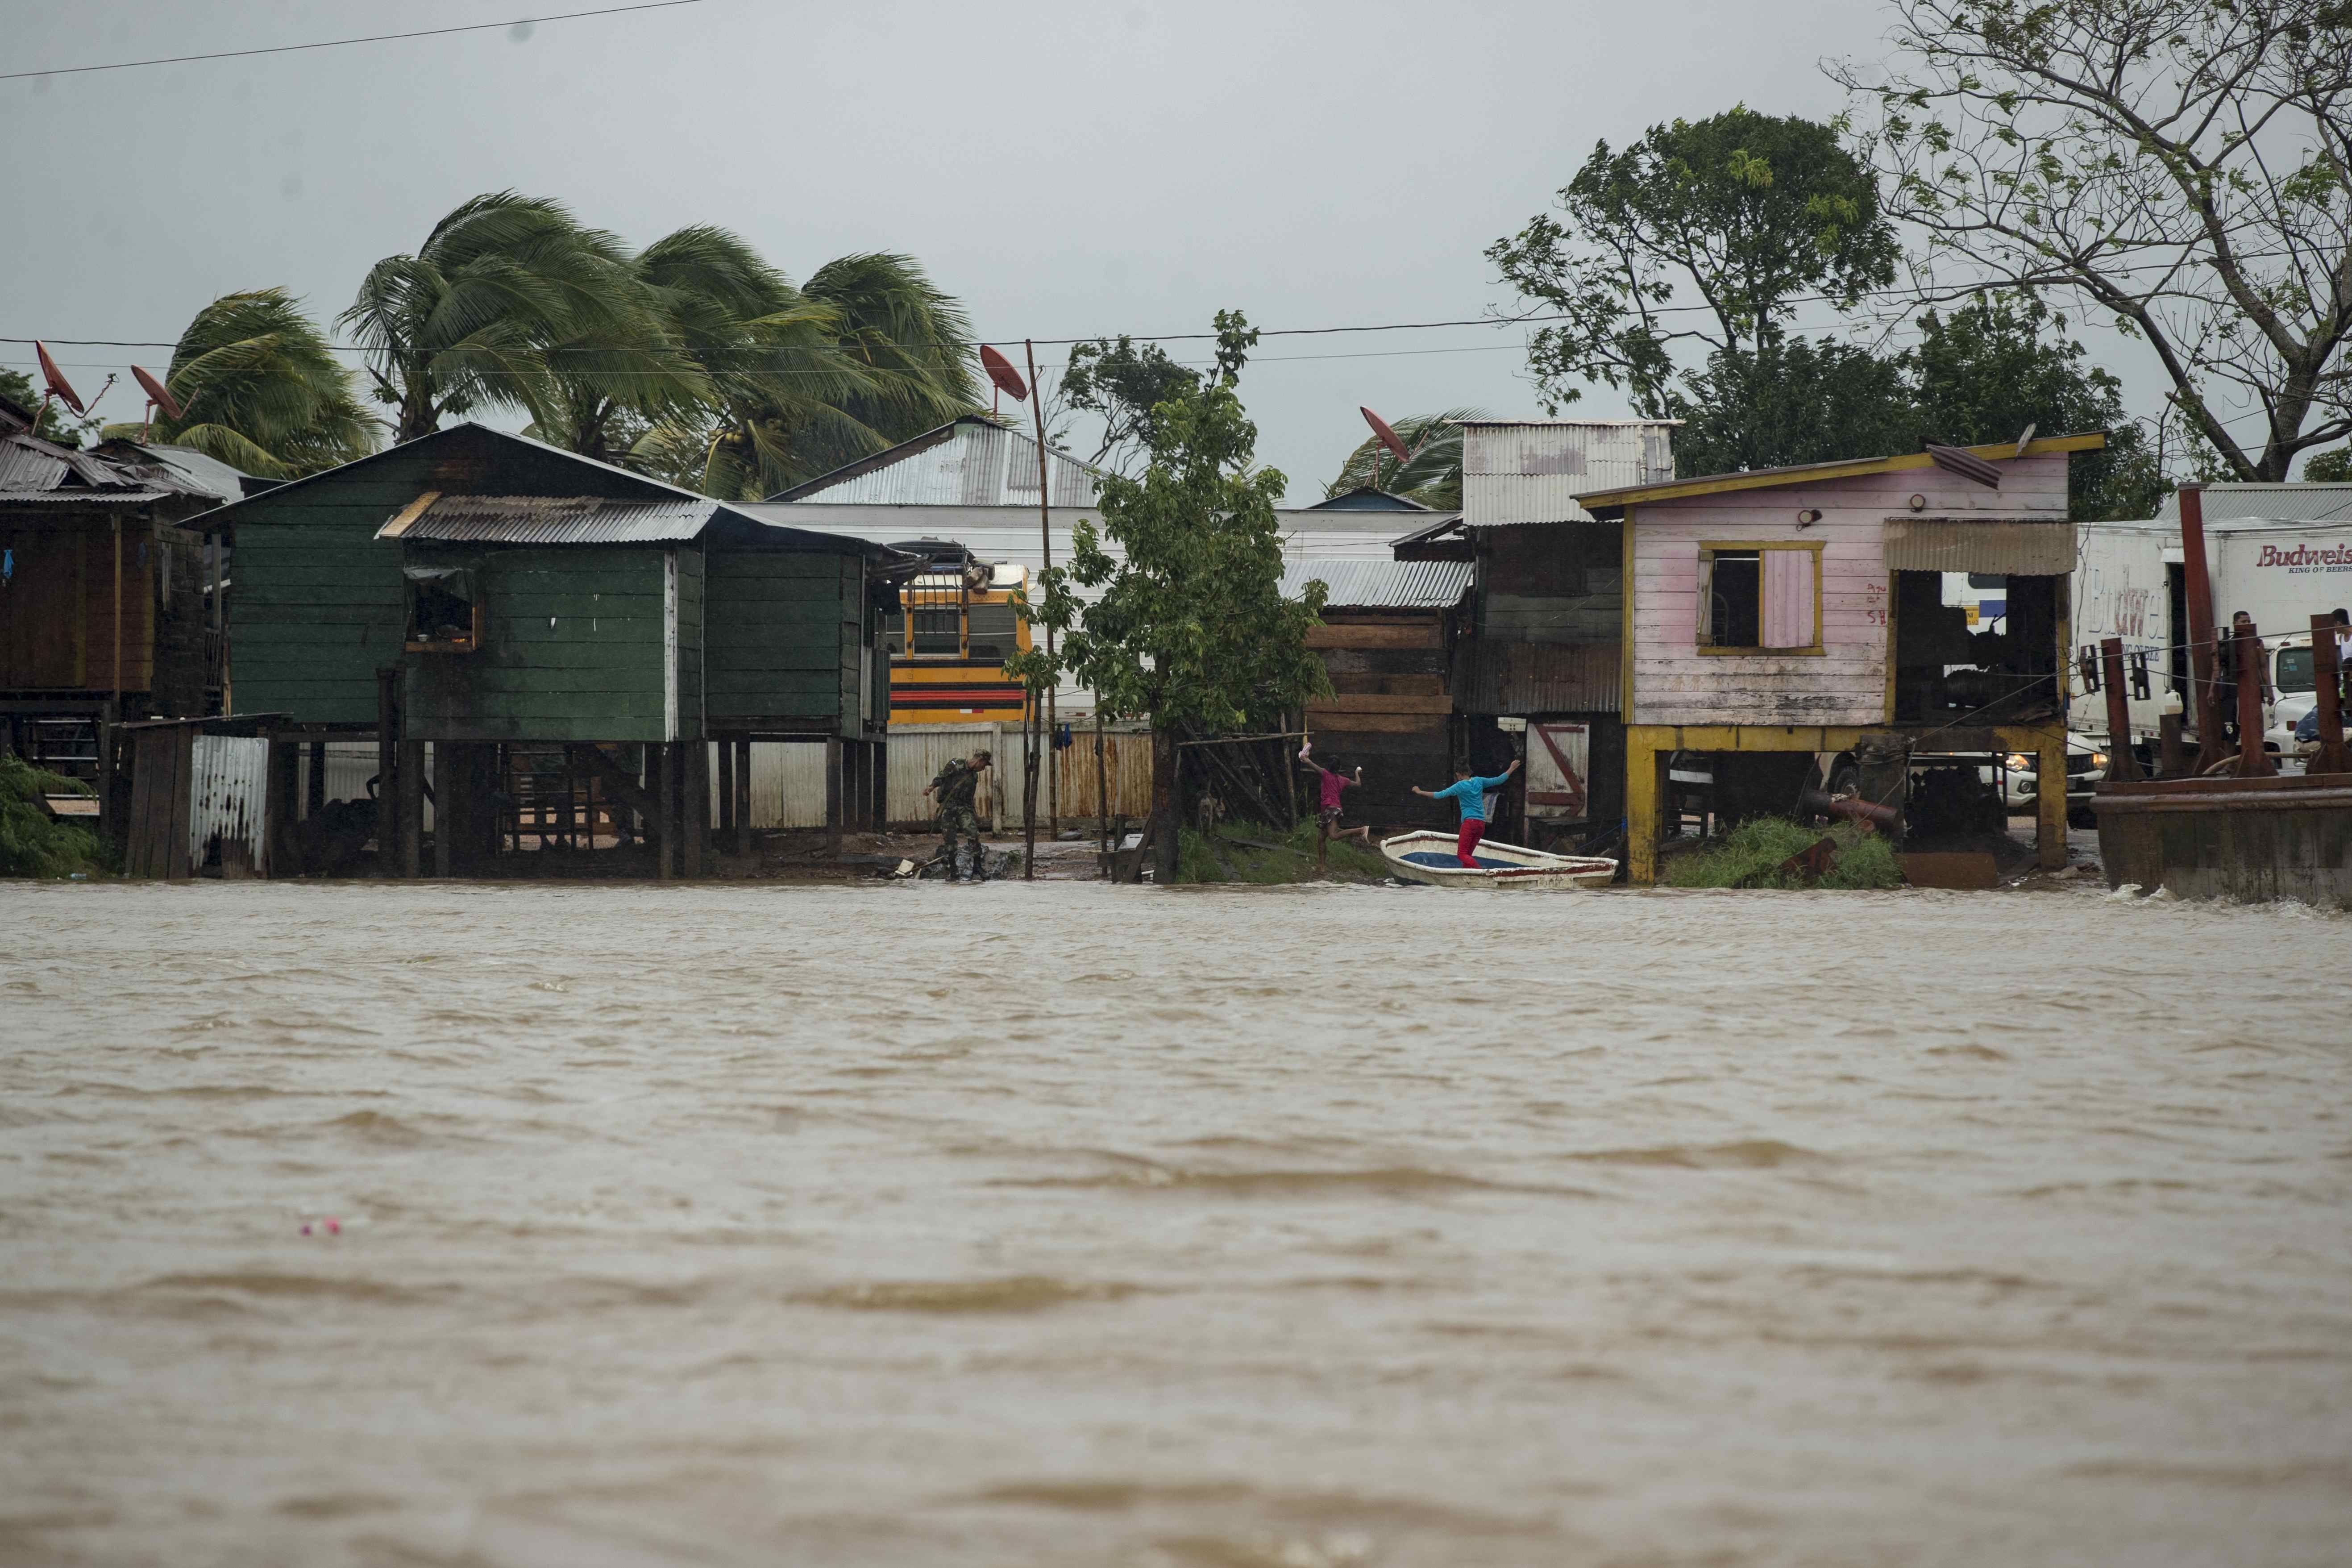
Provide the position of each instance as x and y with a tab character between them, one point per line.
41	619
1559	758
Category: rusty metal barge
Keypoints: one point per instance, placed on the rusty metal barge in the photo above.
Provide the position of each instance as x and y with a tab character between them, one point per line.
2228	825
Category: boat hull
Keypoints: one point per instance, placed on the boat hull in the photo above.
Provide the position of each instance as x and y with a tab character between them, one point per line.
1429	858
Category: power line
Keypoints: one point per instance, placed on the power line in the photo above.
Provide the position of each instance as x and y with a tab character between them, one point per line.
345	43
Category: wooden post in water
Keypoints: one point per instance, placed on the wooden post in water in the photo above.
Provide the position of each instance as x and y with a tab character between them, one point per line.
388	769
742	797
2253	762
2326	689
2198	584
2122	766
410	779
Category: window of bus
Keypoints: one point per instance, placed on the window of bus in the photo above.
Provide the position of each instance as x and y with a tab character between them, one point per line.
937	631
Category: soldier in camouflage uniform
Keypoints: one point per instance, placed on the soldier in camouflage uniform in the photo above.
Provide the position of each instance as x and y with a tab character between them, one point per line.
956	787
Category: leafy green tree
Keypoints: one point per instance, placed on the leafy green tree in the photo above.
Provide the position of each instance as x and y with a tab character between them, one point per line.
2330	468
260	389
504	291
1699	239
1986	372
1188	625
2182	168
1122	382
1432	473
1794	400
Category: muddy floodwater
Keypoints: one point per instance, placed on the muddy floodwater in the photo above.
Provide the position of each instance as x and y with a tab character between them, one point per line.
1072	1225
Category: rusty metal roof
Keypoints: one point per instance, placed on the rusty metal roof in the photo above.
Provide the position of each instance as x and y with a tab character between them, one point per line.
117	472
559	520
1380	584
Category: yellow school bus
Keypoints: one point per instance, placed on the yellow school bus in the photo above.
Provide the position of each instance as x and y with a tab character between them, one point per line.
955	628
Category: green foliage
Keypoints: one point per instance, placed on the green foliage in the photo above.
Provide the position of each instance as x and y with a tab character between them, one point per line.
507	290
1979	374
1190	625
1432	474
1749	856
1795	401
1120	383
801	379
2330	468
1219	858
31	843
260	390
1741	213
1999	363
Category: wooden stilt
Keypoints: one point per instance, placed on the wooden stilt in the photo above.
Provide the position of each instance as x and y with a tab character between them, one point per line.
695	800
663	792
444	808
409	780
743	750
833	794
726	786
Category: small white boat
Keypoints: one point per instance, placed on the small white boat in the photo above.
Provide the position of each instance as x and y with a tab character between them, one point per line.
1429	857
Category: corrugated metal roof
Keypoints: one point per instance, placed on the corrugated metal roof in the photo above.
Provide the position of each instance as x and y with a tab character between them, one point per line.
1380	584
969	462
1533	471
33	470
2302	502
559	520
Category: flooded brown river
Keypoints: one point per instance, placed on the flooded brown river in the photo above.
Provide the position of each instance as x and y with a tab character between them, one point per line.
1072	1224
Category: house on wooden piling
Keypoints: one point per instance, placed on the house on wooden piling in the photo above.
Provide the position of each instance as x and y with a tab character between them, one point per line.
1542	638
105	610
1778	617
532	614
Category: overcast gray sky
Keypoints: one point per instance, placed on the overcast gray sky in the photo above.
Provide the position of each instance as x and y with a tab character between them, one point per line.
1068	170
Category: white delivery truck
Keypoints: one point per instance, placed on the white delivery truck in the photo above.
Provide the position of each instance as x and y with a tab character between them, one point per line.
2129	584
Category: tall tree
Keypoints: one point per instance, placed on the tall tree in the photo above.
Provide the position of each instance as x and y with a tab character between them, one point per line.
1794	400
1121	382
1698	239
2179	167
1997	365
260	389
867	353
1430	472
476	317
1189	626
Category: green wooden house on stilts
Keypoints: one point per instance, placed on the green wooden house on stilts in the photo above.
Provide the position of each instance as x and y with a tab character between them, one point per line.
536	617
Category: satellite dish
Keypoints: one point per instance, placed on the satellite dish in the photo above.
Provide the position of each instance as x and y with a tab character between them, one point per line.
1387	437
159	394
59	387
1000	371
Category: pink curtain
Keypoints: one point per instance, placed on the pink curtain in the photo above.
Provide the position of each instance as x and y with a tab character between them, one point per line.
1788	598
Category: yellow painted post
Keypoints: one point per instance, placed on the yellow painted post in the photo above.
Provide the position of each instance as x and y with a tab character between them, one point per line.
2050	801
1644	799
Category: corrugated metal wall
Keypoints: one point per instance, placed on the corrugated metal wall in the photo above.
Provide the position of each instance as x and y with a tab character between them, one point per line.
1533	472
1539	678
229	784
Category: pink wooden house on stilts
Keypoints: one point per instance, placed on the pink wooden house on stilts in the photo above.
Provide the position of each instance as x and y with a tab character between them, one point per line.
1778	616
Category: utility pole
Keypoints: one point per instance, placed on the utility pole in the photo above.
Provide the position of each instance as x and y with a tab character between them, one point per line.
1045	538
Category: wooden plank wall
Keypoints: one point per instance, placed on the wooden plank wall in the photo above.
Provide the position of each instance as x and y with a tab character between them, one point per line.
318	605
784	630
1674	683
57	610
1389	710
572	643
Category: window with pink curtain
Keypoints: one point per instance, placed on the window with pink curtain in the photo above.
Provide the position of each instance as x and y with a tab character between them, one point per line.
1788	598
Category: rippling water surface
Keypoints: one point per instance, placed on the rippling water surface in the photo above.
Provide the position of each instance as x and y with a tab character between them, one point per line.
1078	1225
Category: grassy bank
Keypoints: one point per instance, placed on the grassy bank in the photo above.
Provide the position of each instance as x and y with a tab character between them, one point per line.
1749	856
32	843
1221	858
